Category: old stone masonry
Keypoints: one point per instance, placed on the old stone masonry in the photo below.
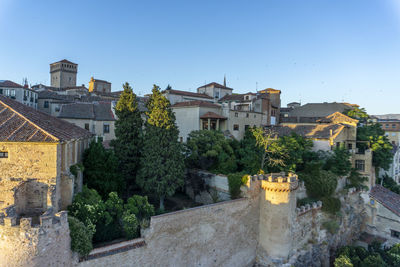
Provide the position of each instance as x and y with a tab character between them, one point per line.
263	228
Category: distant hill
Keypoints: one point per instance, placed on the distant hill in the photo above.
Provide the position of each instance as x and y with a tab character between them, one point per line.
388	116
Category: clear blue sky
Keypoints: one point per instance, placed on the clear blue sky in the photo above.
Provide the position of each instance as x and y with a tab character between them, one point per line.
314	51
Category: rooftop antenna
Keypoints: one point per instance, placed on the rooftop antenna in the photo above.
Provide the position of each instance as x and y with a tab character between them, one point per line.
224	80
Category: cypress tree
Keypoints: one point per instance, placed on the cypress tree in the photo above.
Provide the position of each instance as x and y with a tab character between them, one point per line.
128	133
162	161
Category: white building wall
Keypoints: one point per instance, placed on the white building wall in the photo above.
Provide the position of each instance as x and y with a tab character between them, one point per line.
187	120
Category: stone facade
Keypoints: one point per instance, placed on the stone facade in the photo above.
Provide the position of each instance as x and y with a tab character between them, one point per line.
63	74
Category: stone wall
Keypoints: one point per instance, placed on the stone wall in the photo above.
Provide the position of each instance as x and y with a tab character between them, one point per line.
215	187
24	243
222	234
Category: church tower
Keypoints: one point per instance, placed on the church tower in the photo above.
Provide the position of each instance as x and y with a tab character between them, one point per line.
63	74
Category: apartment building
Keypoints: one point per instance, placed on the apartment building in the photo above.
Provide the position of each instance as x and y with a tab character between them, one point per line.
19	93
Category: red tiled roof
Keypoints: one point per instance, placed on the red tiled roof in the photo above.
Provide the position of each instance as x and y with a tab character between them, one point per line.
387	198
11	84
212	115
196	103
20	123
216	85
185	93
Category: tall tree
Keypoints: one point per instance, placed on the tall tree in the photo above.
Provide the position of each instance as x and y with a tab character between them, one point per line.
162	161
128	133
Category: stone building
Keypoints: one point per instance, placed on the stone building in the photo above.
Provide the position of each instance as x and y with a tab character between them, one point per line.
214	107
96	85
63	74
36	153
96	117
19	93
383	211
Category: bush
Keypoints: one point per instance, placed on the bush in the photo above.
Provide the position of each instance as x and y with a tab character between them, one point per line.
331	226
374	260
343	261
331	205
320	183
235	181
81	236
140	206
130	225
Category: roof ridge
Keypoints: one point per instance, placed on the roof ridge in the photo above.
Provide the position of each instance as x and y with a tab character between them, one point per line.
32	123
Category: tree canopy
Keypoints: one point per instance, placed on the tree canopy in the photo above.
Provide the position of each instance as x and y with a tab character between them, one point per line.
128	134
162	161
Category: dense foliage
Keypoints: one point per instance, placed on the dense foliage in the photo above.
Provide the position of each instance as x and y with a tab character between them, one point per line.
235	181
81	236
162	161
389	183
101	170
128	135
331	204
374	256
108	220
210	150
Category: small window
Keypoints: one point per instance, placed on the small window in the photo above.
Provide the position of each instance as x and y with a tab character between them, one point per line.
3	154
106	128
236	114
46	104
255	116
387	125
350	146
395	233
337	144
87	126
360	165
394	126
247	115
236	127
181	139
1	91
246	127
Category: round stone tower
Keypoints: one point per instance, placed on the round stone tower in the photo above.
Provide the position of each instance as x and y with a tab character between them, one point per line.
277	212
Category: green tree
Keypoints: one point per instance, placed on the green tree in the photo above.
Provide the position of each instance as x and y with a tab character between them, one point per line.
273	154
210	150
343	261
128	135
338	162
358	114
248	154
162	162
374	260
139	206
81	236
101	170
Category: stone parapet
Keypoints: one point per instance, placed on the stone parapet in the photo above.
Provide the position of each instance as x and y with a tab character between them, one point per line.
25	223
308	207
277	182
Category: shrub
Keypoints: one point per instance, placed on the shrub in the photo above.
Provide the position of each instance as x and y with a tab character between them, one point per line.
81	236
343	261
320	183
331	205
139	206
130	225
235	181
331	226
374	260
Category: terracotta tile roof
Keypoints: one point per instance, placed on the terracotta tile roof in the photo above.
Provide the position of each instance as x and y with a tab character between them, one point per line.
20	123
196	103
99	111
214	84
10	84
212	115
64	61
316	131
185	93
233	97
387	198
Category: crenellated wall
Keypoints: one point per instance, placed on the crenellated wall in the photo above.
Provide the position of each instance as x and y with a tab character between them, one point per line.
25	243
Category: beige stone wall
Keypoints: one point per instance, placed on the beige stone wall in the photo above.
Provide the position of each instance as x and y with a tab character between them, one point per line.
27	245
28	161
222	234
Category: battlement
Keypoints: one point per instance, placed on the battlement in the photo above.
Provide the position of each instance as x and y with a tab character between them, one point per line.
308	207
26	223
277	182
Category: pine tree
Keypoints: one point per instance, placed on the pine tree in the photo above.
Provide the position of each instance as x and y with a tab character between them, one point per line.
128	133
162	165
